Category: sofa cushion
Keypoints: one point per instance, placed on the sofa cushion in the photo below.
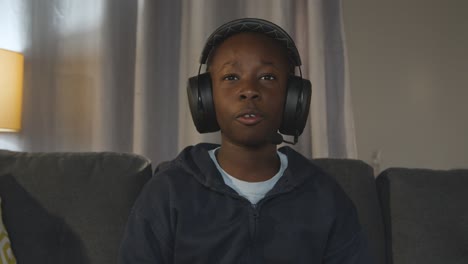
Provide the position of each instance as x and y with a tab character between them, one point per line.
357	180
426	215
69	207
6	253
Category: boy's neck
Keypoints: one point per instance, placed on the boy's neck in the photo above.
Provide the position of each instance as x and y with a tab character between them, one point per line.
249	164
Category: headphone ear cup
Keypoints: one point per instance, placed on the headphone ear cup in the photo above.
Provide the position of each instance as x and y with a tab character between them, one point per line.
296	106
200	97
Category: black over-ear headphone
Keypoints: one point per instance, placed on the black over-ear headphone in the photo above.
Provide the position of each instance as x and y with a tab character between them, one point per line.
199	88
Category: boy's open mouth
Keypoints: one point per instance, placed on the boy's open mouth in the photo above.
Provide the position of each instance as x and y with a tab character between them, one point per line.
249	118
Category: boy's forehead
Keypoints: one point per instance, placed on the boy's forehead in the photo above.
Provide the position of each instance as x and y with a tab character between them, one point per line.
247	41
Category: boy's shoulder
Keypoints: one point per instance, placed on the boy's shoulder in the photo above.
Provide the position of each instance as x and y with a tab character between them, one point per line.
193	162
305	173
176	176
303	167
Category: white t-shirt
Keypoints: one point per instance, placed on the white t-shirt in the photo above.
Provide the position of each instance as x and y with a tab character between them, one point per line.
253	191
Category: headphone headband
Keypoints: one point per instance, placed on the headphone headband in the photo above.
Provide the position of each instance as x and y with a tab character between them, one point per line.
251	25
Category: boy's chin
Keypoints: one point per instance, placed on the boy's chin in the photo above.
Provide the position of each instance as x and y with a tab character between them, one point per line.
251	142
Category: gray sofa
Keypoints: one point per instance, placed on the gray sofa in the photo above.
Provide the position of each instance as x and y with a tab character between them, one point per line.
72	207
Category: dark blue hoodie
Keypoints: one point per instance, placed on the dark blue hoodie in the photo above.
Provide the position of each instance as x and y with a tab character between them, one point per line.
186	214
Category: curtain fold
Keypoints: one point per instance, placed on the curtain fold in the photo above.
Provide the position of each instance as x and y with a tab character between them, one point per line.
111	75
156	112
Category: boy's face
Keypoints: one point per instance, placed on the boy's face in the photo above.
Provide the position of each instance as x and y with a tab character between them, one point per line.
249	73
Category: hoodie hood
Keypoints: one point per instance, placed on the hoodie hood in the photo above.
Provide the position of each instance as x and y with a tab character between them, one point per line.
196	161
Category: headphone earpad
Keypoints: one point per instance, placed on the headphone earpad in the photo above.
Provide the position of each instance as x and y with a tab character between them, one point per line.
200	97
296	106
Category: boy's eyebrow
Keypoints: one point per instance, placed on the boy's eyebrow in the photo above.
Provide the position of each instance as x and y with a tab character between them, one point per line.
269	63
234	63
228	63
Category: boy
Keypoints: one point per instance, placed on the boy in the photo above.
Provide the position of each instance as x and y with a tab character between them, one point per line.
245	201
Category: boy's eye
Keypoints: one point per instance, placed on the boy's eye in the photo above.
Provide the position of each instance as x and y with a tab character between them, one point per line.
268	77
230	77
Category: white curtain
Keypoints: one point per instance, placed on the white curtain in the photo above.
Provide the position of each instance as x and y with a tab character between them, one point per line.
110	75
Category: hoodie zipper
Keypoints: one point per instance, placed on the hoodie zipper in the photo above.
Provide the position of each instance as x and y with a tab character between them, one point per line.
253	219
254	222
254	214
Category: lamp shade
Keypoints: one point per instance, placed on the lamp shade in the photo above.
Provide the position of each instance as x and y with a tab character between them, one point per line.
11	90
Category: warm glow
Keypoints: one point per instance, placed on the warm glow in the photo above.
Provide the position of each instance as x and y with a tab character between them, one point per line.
11	90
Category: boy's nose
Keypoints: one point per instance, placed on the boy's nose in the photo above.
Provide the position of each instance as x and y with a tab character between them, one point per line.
249	95
249	92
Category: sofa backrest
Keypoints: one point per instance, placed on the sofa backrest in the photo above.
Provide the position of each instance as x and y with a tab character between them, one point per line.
68	207
426	215
358	181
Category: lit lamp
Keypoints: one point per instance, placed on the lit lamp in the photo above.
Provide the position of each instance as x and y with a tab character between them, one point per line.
11	90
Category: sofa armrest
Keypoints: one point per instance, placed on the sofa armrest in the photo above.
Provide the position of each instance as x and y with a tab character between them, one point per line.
69	207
